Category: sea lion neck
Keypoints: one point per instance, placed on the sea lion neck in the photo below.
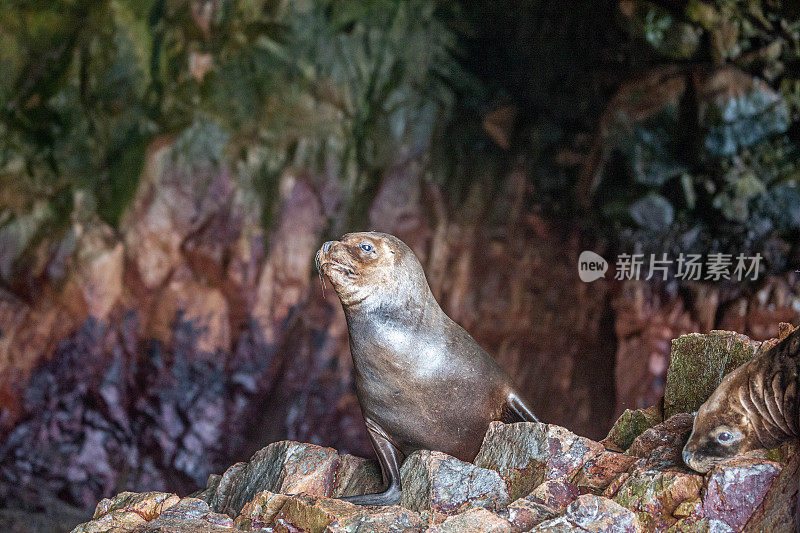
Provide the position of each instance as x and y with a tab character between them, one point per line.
411	311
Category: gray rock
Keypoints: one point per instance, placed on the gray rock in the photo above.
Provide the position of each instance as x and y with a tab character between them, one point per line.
526	454
594	514
290	468
440	483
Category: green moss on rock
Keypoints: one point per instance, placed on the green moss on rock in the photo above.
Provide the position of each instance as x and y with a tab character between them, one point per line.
698	364
631	424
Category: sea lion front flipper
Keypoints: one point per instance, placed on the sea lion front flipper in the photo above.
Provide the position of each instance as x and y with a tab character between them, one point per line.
515	410
390	458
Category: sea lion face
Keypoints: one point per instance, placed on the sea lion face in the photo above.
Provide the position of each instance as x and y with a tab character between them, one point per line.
366	265
721	428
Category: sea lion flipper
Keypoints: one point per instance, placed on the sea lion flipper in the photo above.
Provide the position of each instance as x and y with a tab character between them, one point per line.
390	458
515	410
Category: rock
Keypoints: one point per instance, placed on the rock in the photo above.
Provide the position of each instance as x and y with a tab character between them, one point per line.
285	276
440	483
204	307
698	364
524	515
260	512
190	515
526	454
379	520
630	425
601	470
654	495
473	521
699	525
546	501
759	315
735	489
289	468
185	185
555	494
93	282
640	121
646	322
672	433
312	514
737	110
593	514
127	510
777	511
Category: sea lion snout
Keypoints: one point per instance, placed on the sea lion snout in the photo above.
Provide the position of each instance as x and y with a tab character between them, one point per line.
698	461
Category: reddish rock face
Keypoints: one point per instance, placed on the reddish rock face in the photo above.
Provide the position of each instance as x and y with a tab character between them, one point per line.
736	487
192	336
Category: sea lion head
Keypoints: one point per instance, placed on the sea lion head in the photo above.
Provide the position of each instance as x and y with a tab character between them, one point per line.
722	427
371	267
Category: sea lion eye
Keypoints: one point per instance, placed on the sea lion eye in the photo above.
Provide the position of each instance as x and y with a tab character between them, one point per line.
366	247
724	437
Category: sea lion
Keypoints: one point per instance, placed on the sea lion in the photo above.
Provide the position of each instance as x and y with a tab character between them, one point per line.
756	406
421	380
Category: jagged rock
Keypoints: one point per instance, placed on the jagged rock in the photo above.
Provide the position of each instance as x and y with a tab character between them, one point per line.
698	364
312	514
671	433
289	468
260	512
655	495
285	278
189	515
630	425
127	510
760	315
93	283
178	196
594	514
473	521
546	501
736	488
270	510
555	494
524	515
646	322
526	454
601	470
777	511
204	307
438	482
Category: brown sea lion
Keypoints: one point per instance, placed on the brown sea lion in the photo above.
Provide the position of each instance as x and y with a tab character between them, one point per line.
421	380
756	406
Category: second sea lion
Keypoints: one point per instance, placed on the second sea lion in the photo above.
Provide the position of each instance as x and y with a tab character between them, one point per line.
422	381
755	406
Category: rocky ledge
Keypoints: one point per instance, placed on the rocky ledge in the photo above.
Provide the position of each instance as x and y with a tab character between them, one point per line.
526	477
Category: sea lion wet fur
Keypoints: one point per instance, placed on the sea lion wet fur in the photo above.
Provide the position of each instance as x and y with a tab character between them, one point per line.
422	381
